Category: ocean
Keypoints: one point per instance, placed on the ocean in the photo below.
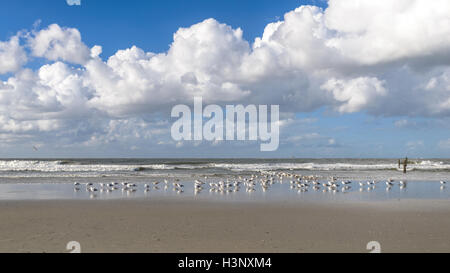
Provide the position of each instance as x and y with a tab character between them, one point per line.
27	169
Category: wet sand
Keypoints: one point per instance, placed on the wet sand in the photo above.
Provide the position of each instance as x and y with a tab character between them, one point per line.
202	226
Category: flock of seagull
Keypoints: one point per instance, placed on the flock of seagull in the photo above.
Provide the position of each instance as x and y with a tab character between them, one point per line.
264	180
126	187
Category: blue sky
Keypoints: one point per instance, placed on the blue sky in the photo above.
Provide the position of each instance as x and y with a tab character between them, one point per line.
118	24
340	96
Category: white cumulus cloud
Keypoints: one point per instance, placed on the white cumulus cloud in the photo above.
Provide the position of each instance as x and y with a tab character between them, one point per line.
56	43
12	55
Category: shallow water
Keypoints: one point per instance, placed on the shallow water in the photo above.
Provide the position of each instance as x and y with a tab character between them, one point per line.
38	179
276	192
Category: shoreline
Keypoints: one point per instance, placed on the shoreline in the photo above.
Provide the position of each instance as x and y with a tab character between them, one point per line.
273	193
168	226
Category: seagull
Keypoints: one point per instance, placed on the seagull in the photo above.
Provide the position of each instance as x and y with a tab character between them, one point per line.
346	188
92	189
250	190
443	182
178	185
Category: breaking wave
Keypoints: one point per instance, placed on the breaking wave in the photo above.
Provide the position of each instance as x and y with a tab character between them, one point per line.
90	166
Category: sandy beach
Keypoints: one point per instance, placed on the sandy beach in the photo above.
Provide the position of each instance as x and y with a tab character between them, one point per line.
200	226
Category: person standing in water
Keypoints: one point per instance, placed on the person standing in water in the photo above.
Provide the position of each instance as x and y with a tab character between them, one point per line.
405	164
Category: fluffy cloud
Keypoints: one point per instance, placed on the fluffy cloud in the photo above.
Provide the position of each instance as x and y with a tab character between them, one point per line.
56	43
385	57
384	31
12	56
356	94
202	61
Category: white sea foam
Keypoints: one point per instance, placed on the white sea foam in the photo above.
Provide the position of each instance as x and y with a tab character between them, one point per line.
423	165
69	167
59	166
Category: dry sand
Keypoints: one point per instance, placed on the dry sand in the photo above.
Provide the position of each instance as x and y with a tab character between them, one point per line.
191	226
